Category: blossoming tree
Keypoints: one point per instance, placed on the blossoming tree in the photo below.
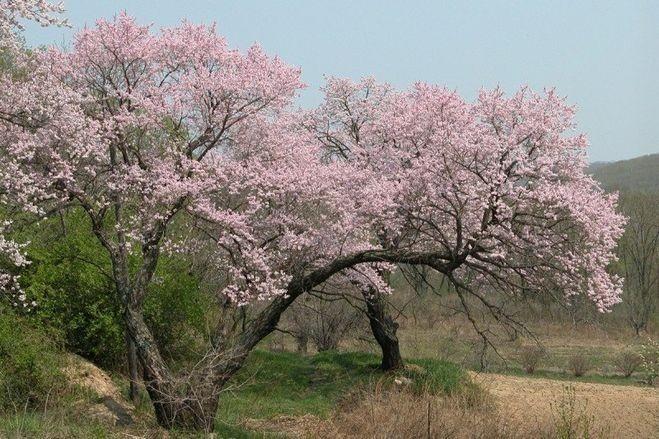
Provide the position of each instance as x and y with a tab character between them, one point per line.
142	131
172	141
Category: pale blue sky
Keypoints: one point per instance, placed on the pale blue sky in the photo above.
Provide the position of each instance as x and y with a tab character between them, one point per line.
604	55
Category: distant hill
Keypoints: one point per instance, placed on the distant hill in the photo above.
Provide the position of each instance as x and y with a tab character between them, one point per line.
637	174
596	165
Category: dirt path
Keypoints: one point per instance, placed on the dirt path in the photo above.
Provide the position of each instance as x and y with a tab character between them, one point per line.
627	411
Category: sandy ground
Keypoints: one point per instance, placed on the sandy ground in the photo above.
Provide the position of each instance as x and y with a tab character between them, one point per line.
627	411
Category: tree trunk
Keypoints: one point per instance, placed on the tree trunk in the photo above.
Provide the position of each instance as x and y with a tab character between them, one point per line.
186	403
384	330
132	369
189	401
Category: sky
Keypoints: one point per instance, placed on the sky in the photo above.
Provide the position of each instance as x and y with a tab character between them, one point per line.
603	55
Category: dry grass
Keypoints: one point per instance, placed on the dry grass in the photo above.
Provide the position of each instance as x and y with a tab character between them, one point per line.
398	414
454	340
385	413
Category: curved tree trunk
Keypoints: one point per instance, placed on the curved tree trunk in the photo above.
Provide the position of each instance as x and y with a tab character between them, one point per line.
384	330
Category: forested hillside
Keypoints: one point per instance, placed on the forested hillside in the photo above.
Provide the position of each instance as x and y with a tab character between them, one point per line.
637	174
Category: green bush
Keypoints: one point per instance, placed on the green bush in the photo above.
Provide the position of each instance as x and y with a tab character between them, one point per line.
30	365
76	299
175	310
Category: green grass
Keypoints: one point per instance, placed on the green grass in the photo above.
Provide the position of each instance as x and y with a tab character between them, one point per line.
596	378
275	384
56	424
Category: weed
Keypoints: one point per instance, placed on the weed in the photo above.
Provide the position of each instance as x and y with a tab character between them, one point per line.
578	364
628	362
571	419
530	357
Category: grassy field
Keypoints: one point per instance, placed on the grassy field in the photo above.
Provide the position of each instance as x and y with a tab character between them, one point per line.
613	411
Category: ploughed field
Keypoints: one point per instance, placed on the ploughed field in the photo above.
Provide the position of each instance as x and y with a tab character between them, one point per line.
625	411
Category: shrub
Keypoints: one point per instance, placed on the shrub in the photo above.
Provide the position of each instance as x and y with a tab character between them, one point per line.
177	308
650	361
530	357
578	365
30	365
76	301
627	362
325	323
